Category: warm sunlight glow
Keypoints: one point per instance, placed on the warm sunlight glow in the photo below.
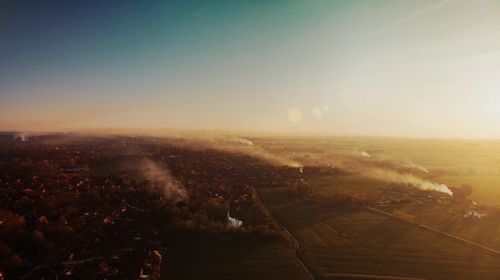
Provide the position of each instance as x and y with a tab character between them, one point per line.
276	139
382	68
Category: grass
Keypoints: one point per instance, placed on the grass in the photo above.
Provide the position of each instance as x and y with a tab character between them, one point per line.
336	242
231	259
358	241
453	162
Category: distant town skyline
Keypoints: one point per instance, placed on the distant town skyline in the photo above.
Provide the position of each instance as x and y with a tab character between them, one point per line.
417	68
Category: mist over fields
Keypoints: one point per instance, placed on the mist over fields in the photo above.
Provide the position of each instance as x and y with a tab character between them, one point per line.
243	140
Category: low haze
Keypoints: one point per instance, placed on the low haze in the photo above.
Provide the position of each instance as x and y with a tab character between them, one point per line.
246	139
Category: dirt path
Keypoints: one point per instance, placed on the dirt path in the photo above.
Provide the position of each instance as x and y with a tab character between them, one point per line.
295	246
455	237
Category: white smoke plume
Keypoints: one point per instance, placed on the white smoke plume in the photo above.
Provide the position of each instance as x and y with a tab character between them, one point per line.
161	177
364	154
418	167
233	145
245	141
233	222
259	152
269	157
21	136
232	139
395	177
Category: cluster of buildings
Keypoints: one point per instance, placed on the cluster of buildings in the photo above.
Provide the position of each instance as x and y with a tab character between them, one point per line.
62	217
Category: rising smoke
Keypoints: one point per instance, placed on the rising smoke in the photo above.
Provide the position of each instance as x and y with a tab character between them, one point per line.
368	165
161	177
238	145
364	154
262	154
360	162
233	222
409	179
21	136
417	167
245	141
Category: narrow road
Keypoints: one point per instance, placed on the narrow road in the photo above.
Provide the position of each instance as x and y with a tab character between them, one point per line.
295	246
452	236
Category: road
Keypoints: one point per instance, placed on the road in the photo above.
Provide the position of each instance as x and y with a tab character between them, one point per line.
295	246
452	236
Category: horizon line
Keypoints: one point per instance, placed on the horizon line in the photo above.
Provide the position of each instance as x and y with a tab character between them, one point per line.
163	132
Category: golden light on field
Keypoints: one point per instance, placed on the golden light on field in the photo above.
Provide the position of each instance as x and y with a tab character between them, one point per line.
295	115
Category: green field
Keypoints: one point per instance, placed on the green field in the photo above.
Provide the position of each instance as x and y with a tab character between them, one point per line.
232	259
355	242
453	162
358	241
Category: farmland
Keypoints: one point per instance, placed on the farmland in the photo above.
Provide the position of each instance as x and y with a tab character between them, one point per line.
452	161
229	207
357	240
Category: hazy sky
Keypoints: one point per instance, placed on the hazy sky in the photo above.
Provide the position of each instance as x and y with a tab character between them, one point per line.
394	68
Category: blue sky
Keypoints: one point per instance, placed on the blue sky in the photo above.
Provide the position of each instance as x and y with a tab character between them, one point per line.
393	68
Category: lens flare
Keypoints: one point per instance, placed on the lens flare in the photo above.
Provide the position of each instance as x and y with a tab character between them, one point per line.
295	115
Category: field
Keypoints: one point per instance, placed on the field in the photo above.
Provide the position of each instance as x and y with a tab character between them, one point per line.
311	208
359	242
450	161
232	259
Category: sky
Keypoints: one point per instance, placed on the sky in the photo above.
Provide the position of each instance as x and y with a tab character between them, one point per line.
423	68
